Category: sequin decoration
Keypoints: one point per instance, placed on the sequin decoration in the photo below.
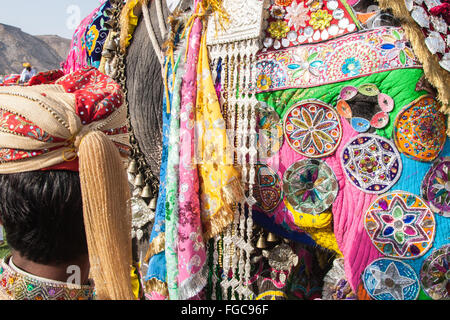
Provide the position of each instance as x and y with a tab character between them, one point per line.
334	60
312	128
365	107
371	163
310	186
432	18
436	187
294	22
420	129
400	225
435	274
270	133
388	279
267	191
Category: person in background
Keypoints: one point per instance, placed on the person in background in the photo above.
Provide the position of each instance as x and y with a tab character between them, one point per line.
27	73
64	191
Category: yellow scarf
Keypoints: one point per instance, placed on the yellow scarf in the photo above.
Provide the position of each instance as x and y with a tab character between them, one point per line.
220	185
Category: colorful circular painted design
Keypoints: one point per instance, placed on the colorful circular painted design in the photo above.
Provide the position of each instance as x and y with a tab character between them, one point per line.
435	274
389	279
400	225
436	187
270	133
420	129
310	186
312	128
371	163
267	191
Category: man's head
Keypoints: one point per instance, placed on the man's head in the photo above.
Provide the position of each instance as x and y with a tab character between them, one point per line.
42	214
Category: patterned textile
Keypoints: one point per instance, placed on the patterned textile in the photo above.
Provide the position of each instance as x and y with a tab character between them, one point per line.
434	274
371	163
420	129
191	248
83	43
400	225
17	285
292	23
310	186
347	57
312	128
96	34
95	97
172	185
435	187
388	279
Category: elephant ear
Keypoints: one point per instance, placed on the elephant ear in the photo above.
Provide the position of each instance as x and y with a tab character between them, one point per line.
146	90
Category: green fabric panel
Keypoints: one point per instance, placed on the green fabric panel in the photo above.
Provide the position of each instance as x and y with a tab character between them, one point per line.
398	84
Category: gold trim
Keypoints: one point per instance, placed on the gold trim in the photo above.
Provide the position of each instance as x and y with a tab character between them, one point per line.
155	285
156	246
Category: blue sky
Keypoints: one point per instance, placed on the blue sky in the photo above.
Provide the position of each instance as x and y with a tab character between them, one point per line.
42	17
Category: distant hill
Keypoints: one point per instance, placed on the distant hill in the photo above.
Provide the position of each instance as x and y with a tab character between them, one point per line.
43	52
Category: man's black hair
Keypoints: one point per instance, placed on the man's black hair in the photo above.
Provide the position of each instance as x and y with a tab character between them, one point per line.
42	214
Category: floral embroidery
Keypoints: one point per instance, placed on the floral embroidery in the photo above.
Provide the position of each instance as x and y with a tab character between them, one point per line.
283	3
396	48
320	19
297	15
312	128
336	60
351	67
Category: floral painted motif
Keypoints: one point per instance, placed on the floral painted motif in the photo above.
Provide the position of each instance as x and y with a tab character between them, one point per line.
310	186
336	60
312	128
434	274
436	187
388	279
400	225
362	172
420	129
351	67
396	48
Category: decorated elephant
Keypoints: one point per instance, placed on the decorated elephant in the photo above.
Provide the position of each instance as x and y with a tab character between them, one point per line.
283	149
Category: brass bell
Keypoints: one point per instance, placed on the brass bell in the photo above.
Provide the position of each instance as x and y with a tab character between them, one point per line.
271	237
146	192
152	204
261	244
139	181
132	167
110	45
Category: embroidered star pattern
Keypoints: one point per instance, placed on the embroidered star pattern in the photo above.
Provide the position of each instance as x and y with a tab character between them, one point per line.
390	281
